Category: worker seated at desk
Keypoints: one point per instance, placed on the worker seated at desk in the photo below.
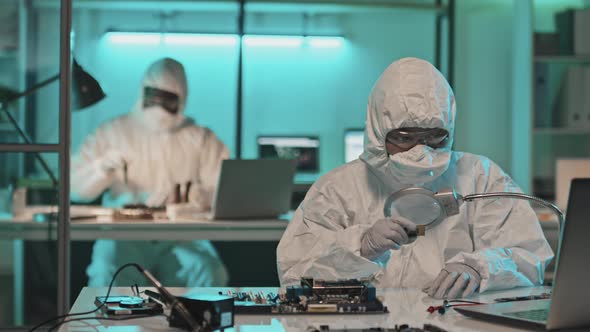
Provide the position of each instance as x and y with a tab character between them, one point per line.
339	230
141	158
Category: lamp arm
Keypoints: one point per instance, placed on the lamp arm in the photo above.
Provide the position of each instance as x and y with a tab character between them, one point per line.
21	133
556	210
32	89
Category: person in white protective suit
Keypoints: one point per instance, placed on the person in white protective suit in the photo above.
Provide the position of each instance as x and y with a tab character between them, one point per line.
141	158
339	230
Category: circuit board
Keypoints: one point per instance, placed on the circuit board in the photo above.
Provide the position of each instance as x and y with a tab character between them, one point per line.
313	297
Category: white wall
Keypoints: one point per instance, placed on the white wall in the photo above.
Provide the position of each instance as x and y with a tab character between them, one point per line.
483	78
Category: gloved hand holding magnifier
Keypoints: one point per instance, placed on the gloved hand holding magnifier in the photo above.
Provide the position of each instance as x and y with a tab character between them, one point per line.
422	206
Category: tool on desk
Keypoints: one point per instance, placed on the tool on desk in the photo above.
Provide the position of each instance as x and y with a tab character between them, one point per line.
217	311
177	307
542	296
125	176
213	311
567	307
181	193
187	188
135	290
127	305
442	309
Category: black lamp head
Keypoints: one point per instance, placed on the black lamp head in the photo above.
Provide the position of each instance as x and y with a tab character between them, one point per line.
85	89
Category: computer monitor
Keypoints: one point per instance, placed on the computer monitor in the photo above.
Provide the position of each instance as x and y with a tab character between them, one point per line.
304	149
353	144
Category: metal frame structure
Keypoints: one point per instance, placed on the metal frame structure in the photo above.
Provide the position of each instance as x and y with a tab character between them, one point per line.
63	226
62	148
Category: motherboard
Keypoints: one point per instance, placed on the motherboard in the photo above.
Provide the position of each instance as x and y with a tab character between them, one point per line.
350	296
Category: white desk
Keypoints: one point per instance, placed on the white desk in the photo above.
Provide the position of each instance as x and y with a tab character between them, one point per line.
181	229
405	305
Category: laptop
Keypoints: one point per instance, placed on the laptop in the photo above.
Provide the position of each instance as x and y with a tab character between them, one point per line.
568	306
258	188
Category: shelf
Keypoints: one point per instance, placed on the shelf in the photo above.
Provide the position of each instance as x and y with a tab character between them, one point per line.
562	131
562	58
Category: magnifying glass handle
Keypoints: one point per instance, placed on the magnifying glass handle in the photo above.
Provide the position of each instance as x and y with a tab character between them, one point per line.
420	231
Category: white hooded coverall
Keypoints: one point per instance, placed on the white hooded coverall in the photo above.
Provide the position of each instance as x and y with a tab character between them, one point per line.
501	239
160	150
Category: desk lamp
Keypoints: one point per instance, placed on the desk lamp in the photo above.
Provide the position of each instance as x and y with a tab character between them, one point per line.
434	207
85	92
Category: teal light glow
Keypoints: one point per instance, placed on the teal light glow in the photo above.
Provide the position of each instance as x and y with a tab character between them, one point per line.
325	42
283	41
139	38
272	41
193	39
154	38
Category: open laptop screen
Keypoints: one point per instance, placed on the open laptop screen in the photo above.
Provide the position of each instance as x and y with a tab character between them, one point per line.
304	149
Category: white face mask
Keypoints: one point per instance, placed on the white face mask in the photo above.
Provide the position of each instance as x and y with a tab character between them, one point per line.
421	164
157	119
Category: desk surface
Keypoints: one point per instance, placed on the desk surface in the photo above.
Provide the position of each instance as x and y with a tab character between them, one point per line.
181	229
405	305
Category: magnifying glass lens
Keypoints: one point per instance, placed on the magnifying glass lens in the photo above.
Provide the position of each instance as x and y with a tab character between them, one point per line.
418	208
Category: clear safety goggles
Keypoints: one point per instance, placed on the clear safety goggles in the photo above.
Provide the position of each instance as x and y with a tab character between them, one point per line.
406	138
157	97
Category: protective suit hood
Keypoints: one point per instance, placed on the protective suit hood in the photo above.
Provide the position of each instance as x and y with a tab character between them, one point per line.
410	93
165	74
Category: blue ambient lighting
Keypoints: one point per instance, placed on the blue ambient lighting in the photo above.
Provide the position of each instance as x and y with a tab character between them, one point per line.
325	42
155	38
273	41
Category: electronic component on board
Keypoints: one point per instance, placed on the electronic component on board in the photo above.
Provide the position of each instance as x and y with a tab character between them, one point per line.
351	296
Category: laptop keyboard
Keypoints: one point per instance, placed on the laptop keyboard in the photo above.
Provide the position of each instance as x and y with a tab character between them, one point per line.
539	315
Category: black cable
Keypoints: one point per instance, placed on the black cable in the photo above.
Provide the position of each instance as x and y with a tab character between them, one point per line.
101	318
98	307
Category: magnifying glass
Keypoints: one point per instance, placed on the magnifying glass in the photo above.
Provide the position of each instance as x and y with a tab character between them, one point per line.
421	206
427	209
